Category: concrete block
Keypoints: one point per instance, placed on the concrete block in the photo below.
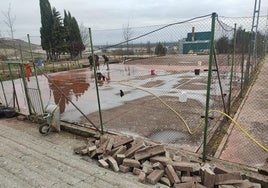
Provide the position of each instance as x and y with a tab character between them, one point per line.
207	176
163	160
155	176
103	163
131	163
124	169
221	178
165	181
113	164
135	147
142	177
158	165
119	141
172	175
149	152
120	158
136	171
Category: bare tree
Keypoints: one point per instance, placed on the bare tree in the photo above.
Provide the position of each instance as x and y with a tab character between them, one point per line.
127	34
84	32
9	21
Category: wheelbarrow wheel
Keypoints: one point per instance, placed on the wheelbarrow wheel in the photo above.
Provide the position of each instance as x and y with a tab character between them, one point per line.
44	128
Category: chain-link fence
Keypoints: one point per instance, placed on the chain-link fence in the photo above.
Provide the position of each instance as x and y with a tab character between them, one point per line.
162	82
245	59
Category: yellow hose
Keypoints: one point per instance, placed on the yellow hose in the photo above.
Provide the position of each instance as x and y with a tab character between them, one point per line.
243	130
192	132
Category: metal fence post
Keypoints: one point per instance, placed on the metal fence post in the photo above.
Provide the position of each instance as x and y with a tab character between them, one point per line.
211	53
232	72
242	63
96	79
38	88
3	89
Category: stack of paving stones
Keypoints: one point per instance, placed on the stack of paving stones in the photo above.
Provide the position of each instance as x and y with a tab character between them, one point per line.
153	164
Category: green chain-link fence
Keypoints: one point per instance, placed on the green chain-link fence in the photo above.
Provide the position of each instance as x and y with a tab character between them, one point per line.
159	79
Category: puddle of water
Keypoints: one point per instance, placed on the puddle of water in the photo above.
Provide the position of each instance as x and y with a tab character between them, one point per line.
168	136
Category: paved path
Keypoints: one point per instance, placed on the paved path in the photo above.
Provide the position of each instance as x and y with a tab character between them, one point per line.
28	159
253	117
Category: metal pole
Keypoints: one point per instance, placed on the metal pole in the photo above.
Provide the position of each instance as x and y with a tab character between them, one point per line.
24	82
15	98
266	36
35	74
219	79
242	63
25	88
3	89
96	79
232	70
209	83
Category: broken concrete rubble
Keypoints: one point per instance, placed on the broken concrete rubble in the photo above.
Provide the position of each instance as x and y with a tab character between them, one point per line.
153	164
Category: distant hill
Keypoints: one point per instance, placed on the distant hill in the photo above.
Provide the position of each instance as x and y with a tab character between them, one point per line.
10	50
8	43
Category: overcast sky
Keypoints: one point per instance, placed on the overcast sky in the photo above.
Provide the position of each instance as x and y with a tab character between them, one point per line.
112	14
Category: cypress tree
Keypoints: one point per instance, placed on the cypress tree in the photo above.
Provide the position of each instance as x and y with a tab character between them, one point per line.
73	36
56	35
46	26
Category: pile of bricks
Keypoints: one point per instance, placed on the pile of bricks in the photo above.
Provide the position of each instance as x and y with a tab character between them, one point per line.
153	164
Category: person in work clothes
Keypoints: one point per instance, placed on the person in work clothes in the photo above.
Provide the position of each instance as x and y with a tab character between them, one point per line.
97	61
106	61
90	59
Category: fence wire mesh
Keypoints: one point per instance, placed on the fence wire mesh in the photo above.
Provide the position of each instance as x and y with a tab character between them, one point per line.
244	57
156	82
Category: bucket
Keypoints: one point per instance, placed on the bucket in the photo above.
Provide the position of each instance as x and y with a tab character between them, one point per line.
197	71
152	72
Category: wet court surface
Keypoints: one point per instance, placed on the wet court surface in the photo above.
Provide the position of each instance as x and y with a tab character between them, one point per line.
146	109
139	112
